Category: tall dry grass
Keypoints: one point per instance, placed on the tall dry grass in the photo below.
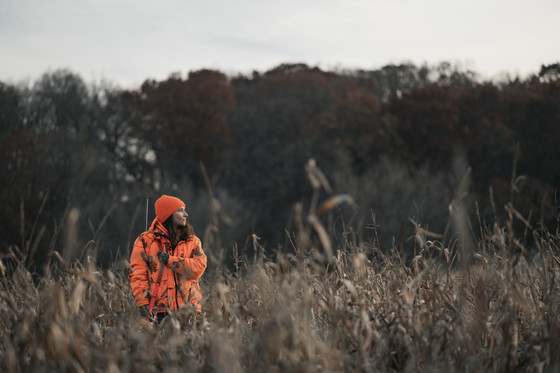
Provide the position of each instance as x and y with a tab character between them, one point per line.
361	312
332	304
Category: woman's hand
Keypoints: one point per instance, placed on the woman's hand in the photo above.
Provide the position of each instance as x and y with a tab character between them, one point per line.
163	257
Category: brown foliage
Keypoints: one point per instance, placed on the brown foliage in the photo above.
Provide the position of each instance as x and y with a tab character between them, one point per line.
184	120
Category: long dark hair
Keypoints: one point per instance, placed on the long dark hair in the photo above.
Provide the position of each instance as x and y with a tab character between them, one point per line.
177	234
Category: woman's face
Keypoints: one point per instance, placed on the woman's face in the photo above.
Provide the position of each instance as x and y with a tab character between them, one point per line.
180	217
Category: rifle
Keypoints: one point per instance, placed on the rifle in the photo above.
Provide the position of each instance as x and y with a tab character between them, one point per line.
146	214
156	288
160	273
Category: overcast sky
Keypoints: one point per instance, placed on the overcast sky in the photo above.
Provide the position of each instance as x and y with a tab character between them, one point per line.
128	41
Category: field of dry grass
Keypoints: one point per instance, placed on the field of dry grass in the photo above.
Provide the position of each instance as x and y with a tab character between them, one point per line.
336	302
361	311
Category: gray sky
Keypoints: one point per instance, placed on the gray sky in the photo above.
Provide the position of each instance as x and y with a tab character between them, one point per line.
128	41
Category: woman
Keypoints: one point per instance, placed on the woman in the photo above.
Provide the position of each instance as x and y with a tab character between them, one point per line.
166	262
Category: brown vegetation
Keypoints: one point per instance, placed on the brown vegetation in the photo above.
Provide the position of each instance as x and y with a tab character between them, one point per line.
443	256
333	304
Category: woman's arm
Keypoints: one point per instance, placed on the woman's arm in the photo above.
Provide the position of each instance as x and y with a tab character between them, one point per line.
138	274
193	267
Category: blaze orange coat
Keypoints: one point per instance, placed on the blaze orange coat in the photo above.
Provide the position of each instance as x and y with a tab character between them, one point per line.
179	280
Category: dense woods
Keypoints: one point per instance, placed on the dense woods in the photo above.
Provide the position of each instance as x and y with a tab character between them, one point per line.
398	140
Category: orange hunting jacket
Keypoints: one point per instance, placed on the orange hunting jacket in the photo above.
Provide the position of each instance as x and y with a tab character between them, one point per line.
179	281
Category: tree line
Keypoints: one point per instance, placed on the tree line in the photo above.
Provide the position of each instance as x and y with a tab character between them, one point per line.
397	139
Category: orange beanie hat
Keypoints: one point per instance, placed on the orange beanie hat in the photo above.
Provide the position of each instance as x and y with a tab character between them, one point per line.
166	206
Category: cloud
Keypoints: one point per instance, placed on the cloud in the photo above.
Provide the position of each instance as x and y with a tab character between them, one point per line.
133	40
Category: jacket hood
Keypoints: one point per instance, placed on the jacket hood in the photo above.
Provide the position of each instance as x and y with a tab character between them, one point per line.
157	227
